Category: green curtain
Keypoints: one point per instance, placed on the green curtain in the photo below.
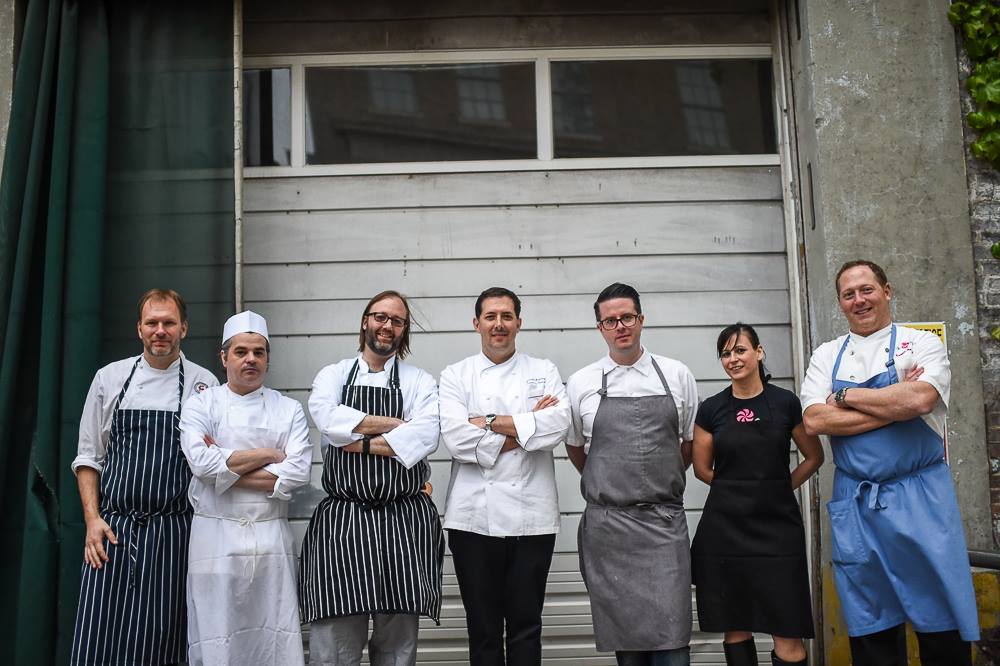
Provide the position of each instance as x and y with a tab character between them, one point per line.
117	177
52	200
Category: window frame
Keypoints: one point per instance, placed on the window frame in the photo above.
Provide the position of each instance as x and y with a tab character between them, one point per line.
541	58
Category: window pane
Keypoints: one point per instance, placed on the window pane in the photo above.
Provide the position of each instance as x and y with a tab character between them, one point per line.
420	113
267	120
637	108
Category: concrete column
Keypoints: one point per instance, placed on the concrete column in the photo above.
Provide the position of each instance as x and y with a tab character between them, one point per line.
10	18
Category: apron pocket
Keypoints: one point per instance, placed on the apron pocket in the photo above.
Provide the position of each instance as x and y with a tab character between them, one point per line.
848	544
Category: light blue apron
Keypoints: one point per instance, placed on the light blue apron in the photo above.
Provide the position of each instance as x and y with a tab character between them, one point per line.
898	546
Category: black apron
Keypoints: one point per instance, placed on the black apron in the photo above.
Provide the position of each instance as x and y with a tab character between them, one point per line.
634	548
374	544
133	610
748	557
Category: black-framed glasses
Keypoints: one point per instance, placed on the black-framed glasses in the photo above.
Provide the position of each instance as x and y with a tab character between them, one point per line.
611	323
381	317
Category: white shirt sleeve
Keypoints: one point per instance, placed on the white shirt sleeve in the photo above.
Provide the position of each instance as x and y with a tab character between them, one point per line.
465	442
817	385
92	444
577	391
333	419
689	393
545	429
933	358
418	437
208	463
294	470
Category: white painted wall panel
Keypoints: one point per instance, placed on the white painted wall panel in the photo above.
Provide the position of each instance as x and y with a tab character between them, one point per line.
704	246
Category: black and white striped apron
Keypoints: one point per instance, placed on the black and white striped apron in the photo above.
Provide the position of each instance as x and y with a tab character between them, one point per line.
133	610
374	544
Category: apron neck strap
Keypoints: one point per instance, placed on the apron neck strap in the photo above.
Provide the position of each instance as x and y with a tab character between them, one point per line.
180	384
603	392
891	349
121	394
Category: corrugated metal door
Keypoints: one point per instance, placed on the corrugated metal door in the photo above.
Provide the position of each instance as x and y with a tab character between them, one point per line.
704	246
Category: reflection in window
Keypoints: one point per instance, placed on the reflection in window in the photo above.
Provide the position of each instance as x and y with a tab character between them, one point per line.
418	113
480	94
267	117
701	100
572	99
392	91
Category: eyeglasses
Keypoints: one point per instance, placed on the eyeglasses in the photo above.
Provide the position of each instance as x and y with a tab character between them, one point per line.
381	317
611	323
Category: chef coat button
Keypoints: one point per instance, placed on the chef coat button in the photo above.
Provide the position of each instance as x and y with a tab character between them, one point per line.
852	352
852	377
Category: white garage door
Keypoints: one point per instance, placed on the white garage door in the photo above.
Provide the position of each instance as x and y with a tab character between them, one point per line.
704	246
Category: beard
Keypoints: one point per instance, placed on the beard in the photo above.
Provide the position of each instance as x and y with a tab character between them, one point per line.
380	347
162	351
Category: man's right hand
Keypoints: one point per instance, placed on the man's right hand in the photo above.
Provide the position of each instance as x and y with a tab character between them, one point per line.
545	401
93	549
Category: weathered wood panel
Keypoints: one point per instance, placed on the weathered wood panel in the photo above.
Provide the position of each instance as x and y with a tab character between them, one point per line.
526	188
544	312
523	231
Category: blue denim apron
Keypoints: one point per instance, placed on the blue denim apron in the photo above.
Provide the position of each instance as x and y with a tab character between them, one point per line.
898	545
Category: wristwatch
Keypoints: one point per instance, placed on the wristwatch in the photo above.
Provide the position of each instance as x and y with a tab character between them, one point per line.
366	444
841	395
490	418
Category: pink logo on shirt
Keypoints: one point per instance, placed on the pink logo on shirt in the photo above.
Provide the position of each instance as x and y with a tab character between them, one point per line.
745	415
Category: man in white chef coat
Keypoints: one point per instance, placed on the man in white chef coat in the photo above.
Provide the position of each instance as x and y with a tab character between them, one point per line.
133	483
502	414
248	447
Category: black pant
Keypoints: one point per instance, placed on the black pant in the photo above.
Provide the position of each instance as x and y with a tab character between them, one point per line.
888	648
502	581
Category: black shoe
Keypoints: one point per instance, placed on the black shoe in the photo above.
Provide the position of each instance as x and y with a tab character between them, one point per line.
777	661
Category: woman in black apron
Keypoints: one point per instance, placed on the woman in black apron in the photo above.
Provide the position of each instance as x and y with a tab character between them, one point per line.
748	557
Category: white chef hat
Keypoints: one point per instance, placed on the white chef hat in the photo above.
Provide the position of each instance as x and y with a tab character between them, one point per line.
244	322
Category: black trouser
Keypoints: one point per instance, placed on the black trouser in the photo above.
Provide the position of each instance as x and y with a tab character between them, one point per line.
502	581
888	648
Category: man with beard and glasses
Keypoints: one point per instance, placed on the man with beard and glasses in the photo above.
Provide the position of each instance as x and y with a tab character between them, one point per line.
133	483
374	546
502	414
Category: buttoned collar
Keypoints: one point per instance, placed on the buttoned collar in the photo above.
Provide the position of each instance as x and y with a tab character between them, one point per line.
233	395
144	364
363	365
483	362
644	365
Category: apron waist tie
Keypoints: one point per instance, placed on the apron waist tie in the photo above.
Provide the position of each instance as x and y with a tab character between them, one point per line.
139	520
243	521
876	486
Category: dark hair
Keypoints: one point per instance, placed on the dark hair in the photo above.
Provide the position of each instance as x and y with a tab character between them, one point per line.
875	268
404	343
737	329
498	292
617	290
163	295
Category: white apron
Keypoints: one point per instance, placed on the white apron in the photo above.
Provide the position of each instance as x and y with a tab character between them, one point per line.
242	602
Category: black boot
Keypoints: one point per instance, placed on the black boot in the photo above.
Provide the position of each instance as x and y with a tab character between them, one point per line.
743	653
778	661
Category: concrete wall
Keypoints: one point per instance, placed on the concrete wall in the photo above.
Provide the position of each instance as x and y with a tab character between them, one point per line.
10	17
984	206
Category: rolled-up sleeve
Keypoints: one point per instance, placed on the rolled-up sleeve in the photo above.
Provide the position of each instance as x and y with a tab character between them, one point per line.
293	471
417	438
208	463
818	382
91	447
545	429
933	358
465	442
333	419
690	393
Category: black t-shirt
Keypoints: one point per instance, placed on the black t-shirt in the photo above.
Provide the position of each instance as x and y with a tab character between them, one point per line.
773	404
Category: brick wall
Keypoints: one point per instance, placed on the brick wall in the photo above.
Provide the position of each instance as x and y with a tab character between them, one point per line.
984	206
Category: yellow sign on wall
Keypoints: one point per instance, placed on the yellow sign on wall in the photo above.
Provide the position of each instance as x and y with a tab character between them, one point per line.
935	327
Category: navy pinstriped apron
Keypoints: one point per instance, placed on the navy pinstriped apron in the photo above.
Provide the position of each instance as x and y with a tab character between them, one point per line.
374	544
133	610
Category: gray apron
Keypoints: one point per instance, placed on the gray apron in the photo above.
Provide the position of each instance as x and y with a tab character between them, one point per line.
634	548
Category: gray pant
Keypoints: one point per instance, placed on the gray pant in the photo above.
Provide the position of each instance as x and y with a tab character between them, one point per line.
339	641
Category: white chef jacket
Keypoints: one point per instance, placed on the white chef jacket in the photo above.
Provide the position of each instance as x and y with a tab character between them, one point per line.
513	494
865	357
630	381
150	389
412	441
242	601
263	408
